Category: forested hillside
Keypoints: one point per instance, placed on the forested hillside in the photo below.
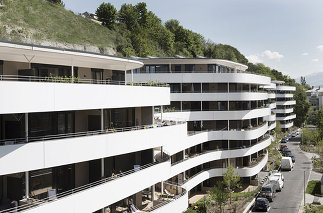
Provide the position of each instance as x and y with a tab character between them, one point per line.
131	31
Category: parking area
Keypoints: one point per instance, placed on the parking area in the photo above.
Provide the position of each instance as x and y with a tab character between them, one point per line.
290	198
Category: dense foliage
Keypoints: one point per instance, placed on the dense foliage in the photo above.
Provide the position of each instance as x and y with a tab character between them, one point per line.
107	14
302	105
272	73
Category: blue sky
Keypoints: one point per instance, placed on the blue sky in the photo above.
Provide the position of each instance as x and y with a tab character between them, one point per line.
283	34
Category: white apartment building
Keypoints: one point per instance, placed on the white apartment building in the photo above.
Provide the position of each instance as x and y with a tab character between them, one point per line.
228	117
315	97
78	135
284	104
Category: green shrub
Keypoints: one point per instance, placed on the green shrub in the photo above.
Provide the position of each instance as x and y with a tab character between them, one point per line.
313	187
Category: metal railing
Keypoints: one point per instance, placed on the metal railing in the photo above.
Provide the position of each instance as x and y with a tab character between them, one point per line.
203	170
222	149
88	133
57	79
226	129
165	202
35	202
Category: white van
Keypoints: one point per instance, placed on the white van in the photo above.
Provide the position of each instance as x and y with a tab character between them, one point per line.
286	163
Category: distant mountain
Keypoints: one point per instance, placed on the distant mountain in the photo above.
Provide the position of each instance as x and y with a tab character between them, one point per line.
315	79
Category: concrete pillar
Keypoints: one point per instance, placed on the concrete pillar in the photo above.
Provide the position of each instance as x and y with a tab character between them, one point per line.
162	187
152	111
161	112
26	127
102	128
102	119
181	106
228	144
161	152
131	77
102	168
27	184
153	193
72	73
184	157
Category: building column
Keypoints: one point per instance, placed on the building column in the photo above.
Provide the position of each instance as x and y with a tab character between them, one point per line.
27	184
72	74
26	126
162	187
153	193
131	77
102	159
153	112
181	106
161	112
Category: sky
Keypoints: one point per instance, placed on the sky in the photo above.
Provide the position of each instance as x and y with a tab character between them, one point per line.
283	34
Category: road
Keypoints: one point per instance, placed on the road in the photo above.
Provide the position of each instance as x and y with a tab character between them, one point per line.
290	198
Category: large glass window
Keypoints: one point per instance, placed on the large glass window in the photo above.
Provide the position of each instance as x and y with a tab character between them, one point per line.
189	67
164	68
1	67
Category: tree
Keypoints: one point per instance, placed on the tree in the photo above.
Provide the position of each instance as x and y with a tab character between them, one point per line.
219	194
231	180
58	2
107	14
302	105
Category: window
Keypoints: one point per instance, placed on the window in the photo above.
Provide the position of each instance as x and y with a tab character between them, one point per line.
1	67
97	74
189	67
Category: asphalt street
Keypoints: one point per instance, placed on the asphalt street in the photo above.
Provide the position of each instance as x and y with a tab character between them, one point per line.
290	198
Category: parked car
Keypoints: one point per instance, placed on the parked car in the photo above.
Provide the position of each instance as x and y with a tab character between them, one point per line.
268	191
286	163
295	133
279	175
291	156
283	140
276	185
287	153
278	181
261	204
282	146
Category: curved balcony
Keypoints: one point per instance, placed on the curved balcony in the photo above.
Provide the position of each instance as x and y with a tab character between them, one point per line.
285	103
178	204
207	174
272	105
96	195
288	110
286	88
199	137
25	96
271	95
290	117
232	96
213	155
284	95
216	115
272	117
287	125
201	77
101	143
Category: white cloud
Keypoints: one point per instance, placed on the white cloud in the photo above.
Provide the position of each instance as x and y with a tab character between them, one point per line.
320	48
267	54
254	59
272	55
305	54
315	59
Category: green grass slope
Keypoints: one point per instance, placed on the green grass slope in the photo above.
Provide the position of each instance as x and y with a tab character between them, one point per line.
36	21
